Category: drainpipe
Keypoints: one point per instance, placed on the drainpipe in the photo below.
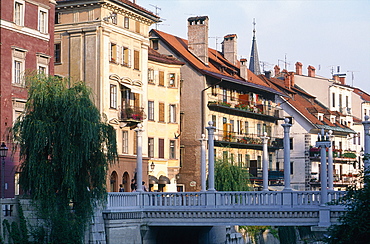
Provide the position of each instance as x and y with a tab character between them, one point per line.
202	103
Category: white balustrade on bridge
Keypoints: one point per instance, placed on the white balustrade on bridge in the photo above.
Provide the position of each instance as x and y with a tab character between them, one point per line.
147	200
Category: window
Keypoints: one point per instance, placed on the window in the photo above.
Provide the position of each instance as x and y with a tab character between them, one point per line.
161	112
172	80
214	90
114	18
43	21
19	13
161	78
151	76
172	149
18	72
225	156
258	129
125	142
247	160
232	126
19	57
113	96
291	168
214	120
41	70
333	98
172	112
150	110
57	18
151	147
126	57
347	102
240	160
137	27
57	53
126	23
224	120
113	52
259	162
232	95
136	60
224	95
161	148
270	161
246	126
154	43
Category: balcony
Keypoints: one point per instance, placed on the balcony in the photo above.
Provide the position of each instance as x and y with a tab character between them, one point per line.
130	116
246	109
339	155
247	141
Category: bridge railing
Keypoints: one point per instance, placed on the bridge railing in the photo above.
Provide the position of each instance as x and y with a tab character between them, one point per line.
135	200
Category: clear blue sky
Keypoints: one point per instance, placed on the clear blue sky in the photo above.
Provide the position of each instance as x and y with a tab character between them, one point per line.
320	33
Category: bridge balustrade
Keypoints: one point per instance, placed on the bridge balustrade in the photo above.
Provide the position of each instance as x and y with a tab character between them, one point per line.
135	200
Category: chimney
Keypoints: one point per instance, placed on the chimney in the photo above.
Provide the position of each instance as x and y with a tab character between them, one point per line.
229	48
289	79
298	68
243	68
198	37
277	70
268	74
311	71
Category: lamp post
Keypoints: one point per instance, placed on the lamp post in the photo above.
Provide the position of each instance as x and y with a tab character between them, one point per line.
3	152
152	166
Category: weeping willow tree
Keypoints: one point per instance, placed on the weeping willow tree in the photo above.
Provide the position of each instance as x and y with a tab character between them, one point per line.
230	177
65	149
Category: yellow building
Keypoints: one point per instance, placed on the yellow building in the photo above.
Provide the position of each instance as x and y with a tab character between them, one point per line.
105	43
163	121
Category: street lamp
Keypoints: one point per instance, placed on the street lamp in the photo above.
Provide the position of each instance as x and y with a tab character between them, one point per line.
3	152
152	166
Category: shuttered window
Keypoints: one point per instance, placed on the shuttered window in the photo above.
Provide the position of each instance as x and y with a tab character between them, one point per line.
161	78
161	148
136	59
161	112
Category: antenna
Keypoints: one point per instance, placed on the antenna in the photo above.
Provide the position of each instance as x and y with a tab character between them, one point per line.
216	38
156	13
285	63
352	75
265	64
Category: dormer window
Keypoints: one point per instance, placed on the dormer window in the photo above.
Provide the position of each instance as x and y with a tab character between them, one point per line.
320	116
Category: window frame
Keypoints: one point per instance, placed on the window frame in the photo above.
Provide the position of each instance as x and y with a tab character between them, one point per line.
172	149
57	53
151	147
43	21
136	60
113	96
151	110
172	80
125	140
19	19
172	113
126	22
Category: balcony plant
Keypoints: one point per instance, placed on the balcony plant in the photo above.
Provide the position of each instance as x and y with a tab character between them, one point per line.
349	155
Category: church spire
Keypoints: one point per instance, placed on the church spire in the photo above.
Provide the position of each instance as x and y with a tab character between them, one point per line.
254	62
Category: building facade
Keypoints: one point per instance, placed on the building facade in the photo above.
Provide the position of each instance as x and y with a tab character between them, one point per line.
219	88
105	44
26	29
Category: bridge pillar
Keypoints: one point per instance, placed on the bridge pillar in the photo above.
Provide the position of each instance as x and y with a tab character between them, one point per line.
265	172
366	124
324	217
286	142
323	143
139	157
330	162
203	163
211	157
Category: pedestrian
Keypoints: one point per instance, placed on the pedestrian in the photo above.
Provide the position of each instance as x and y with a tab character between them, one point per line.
144	187
121	189
133	185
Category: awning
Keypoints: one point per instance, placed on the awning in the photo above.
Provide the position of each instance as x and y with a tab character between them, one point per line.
164	180
153	180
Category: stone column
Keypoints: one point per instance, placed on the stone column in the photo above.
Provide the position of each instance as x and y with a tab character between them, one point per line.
265	139
203	163
286	141
211	157
366	124
139	157
330	161
323	143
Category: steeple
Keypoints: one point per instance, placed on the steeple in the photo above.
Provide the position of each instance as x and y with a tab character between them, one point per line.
254	62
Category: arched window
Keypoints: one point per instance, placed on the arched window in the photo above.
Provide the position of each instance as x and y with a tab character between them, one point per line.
114	182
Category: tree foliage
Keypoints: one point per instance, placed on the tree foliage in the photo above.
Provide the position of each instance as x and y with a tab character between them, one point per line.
229	177
65	149
354	225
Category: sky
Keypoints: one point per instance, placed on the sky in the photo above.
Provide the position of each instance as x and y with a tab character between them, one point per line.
322	33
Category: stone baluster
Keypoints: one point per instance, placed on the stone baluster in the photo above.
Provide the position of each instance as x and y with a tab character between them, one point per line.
286	143
139	157
211	157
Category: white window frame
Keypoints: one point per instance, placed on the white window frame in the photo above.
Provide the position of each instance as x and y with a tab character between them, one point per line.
172	80
150	110
19	57
43	20
172	113
21	3
125	142
113	96
43	63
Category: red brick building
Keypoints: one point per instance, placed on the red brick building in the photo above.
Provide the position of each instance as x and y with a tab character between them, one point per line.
26	44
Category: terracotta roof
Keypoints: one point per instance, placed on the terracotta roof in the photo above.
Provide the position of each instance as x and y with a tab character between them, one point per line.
156	56
308	106
364	96
128	2
217	64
